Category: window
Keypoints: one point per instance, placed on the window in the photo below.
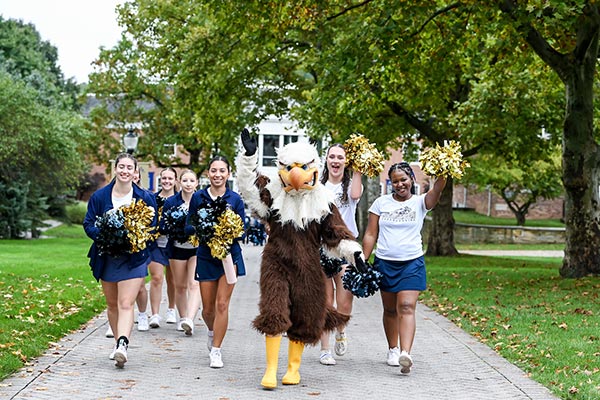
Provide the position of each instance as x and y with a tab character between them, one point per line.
270	142
170	149
289	139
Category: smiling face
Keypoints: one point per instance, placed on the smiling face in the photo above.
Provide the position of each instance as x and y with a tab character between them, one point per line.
125	170
167	180
401	184
218	173
336	162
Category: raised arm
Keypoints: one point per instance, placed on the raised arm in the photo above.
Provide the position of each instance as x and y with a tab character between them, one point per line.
433	195
356	187
248	177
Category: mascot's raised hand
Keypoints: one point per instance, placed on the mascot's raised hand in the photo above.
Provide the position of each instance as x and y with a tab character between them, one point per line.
302	218
249	142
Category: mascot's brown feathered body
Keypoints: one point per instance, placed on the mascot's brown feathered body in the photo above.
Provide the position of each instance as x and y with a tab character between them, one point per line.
302	217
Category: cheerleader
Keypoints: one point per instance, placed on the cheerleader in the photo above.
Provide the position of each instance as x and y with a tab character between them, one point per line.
120	276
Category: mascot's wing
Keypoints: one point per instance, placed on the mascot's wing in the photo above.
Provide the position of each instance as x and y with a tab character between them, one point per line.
338	241
251	185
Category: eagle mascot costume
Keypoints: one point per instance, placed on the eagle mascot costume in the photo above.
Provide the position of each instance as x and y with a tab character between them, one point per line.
302	218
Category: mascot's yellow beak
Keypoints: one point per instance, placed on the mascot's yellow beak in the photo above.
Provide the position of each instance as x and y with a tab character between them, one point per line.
298	176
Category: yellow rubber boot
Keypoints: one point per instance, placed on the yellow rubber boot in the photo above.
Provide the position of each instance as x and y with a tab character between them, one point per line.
292	376
269	380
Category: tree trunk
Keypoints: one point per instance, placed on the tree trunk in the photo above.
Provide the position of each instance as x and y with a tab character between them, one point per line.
371	191
580	172
441	235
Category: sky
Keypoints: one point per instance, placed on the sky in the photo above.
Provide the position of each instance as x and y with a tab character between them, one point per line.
77	28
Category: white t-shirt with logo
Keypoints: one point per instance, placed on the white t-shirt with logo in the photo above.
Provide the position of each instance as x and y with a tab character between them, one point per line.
347	208
400	224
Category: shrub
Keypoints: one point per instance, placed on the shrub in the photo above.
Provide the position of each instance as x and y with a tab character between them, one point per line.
76	212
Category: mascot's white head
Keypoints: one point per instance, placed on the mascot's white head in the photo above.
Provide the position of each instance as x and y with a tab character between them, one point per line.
298	167
298	196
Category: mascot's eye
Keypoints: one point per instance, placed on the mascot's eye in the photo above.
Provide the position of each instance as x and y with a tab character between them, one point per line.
289	167
305	167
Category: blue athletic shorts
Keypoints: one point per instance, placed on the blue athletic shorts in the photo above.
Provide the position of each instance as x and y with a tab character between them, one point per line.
160	255
402	275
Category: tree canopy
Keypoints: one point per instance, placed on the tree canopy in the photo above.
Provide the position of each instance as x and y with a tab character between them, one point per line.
40	131
490	75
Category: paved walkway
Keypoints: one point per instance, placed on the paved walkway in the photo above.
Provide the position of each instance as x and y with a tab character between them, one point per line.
165	364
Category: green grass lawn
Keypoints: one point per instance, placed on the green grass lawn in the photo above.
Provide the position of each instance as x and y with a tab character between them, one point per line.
546	325
47	291
472	217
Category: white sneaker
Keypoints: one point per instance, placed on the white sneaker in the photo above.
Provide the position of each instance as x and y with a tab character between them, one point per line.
178	327
341	344
171	317
188	326
120	355
143	322
215	358
111	356
155	321
393	358
109	332
405	361
326	358
209	342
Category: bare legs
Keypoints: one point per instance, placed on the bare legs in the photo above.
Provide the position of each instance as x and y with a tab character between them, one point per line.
157	274
215	307
120	298
343	301
399	318
182	269
170	287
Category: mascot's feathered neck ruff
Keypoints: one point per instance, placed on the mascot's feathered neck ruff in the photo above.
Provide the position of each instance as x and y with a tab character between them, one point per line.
297	194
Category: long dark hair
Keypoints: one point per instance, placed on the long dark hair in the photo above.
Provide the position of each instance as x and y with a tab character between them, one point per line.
406	168
121	156
219	158
345	178
168	169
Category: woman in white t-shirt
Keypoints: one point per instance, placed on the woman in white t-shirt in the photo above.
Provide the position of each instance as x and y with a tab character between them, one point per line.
395	222
347	188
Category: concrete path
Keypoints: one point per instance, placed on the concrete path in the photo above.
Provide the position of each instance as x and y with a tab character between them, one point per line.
165	364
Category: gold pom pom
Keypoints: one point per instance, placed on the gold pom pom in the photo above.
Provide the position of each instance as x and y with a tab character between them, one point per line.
138	222
446	161
229	227
362	156
194	241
